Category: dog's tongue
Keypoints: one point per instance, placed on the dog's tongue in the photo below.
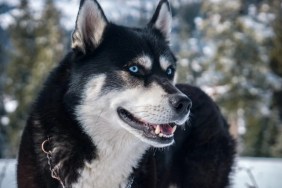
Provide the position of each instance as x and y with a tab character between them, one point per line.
165	129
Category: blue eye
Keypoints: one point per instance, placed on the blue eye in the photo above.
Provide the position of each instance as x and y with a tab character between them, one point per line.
134	69
169	71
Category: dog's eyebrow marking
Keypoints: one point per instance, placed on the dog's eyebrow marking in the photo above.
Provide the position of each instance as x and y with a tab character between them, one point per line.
144	61
164	63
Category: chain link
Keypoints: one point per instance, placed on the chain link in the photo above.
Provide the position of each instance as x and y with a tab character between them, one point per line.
54	171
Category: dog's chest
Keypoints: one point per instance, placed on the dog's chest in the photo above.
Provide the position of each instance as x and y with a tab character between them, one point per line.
110	170
103	174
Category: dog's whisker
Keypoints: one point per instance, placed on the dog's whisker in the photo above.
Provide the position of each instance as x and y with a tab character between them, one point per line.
146	106
135	112
99	116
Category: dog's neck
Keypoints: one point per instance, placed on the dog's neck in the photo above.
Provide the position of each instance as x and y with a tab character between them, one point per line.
118	152
115	143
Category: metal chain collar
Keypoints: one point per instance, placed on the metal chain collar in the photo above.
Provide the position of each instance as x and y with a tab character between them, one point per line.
54	170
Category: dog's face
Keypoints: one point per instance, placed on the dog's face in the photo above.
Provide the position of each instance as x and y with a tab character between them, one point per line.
124	77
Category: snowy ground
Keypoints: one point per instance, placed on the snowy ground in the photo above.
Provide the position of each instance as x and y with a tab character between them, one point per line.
258	173
249	173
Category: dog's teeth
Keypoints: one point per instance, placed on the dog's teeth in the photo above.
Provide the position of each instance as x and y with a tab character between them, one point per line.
161	135
158	129
174	129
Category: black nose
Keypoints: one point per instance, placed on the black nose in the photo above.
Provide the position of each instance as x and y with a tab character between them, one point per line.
180	103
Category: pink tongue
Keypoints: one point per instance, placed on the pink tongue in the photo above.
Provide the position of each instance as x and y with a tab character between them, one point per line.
166	129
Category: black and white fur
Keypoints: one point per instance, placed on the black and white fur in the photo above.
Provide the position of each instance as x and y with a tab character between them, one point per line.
110	102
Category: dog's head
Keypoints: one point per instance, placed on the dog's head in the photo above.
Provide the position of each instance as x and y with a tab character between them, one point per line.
125	76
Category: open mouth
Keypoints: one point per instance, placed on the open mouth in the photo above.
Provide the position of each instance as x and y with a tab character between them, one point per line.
162	133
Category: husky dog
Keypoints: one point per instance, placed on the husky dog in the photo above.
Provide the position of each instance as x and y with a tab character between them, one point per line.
110	103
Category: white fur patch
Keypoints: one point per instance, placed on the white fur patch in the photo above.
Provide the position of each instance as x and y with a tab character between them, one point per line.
144	61
119	146
164	63
118	150
116	158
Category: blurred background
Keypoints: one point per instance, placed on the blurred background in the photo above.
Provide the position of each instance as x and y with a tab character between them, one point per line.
231	49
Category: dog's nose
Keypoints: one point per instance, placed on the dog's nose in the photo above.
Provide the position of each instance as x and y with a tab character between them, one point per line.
180	103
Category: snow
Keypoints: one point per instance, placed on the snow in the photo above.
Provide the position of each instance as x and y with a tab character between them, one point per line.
184	62
6	20
11	2
266	173
216	90
8	173
10	105
4	120
261	32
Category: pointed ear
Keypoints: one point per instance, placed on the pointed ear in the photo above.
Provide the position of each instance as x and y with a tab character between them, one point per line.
162	19
90	26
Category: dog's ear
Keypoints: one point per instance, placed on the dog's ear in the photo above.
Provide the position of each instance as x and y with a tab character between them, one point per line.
90	26
162	19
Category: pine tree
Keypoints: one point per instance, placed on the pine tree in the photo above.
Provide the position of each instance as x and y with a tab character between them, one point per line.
4	45
2	110
187	34
276	53
276	67
228	53
37	45
22	58
50	45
